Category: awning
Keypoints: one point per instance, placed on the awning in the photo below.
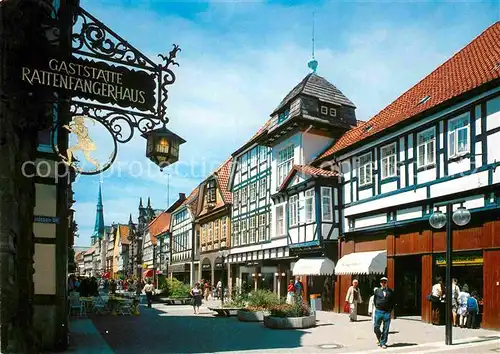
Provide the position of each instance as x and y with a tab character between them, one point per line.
313	266
362	263
148	273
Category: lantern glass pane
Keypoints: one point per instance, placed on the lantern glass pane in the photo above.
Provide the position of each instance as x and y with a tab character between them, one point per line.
461	216
163	145
437	220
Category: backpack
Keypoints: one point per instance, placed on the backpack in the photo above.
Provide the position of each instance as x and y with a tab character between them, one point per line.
471	304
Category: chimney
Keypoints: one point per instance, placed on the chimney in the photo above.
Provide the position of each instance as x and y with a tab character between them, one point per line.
182	196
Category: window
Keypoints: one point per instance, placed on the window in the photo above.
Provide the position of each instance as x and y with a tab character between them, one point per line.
263	187
216	231
210	232
388	160
263	154
324	110
262	226
326	204
253	229
333	112
244	232
253	192
285	163
253	157
211	191
244	195
204	234
458	136
244	163
294	210
425	147
224	229
280	220
236	233
236	198
310	205
283	116
365	169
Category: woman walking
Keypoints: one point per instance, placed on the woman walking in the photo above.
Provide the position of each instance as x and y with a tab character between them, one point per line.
462	306
353	298
437	303
196	294
290	292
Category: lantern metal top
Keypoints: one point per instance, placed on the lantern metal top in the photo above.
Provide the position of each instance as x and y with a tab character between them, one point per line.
163	132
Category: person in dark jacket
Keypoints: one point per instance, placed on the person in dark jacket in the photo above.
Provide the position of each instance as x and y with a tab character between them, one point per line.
384	303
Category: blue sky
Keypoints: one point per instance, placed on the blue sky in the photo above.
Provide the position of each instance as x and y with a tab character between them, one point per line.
239	59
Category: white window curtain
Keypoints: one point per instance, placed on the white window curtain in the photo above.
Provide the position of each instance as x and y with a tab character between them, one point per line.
309	205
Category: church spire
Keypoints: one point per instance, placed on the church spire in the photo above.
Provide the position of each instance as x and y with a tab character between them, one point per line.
313	63
99	217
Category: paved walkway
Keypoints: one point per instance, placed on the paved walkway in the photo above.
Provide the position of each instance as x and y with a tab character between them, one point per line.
175	329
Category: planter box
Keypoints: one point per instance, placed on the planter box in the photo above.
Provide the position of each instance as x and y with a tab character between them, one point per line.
179	301
227	312
290	322
251	316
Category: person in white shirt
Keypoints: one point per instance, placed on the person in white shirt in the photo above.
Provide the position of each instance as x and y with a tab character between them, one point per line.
219	289
463	297
454	299
148	289
371	305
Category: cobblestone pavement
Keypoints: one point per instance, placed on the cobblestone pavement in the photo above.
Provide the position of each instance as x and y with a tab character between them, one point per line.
175	329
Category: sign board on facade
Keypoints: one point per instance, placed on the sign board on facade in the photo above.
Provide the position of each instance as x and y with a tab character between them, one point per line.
46	219
460	260
93	80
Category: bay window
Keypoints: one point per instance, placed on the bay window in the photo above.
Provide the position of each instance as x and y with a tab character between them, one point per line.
365	169
458	136
426	147
388	160
326	204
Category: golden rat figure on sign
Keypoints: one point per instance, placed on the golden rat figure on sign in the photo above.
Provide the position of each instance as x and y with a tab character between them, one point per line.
83	142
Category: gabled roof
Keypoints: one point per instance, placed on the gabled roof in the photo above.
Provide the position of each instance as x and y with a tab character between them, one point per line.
90	251
316	86
124	231
223	174
475	65
158	226
308	170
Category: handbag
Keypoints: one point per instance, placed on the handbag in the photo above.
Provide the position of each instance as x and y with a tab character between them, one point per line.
347	307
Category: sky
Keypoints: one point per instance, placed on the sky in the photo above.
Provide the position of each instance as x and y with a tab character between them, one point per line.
240	58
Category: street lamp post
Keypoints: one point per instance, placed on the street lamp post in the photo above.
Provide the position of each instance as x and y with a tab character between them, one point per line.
223	254
460	217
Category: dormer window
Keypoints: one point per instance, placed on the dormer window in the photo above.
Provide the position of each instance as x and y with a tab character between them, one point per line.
324	110
283	116
211	191
333	112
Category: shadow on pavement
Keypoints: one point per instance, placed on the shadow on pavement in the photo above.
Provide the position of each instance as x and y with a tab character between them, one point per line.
400	345
159	332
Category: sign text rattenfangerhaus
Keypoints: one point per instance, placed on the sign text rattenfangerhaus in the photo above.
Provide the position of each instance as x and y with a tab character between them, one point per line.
96	81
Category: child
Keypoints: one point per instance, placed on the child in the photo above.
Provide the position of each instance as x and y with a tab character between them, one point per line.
472	310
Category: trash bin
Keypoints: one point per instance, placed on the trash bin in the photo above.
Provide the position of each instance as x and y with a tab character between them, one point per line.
315	301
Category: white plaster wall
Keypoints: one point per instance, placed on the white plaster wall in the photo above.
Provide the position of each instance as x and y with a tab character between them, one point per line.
45	200
426	176
365	193
494	147
389	187
325	230
478	160
45	269
460	184
458	166
371	220
313	145
297	157
44	230
478	119
408	214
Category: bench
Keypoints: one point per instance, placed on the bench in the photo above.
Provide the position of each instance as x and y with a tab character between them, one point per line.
180	301
225	312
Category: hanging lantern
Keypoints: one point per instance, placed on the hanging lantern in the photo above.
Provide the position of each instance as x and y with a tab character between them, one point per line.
437	220
162	146
461	216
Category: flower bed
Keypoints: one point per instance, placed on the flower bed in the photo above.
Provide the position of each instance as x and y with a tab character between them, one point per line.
296	315
252	314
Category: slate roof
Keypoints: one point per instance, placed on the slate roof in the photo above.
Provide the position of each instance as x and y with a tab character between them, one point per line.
476	64
316	86
308	170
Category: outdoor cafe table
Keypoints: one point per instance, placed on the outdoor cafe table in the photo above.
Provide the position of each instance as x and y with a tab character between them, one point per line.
115	302
87	303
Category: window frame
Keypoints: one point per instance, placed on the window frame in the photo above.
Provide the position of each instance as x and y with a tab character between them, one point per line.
262	227
211	191
425	145
387	158
293	210
252	189
334	110
368	166
330	206
284	167
280	221
309	203
244	231
252	228
455	133
324	110
263	188
262	154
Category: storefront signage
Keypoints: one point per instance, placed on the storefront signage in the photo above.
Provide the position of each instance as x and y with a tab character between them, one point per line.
206	266
460	260
46	219
93	80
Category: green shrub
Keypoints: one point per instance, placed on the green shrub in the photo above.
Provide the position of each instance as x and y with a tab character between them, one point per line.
262	299
287	310
176	289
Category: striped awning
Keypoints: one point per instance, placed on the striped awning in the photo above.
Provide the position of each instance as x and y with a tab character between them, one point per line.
373	262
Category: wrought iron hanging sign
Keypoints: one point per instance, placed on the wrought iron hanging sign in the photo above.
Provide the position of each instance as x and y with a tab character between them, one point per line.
114	89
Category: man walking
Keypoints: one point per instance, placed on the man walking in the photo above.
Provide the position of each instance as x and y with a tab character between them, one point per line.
384	303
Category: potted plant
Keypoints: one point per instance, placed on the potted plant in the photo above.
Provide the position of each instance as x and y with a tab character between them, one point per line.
257	307
176	291
296	315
